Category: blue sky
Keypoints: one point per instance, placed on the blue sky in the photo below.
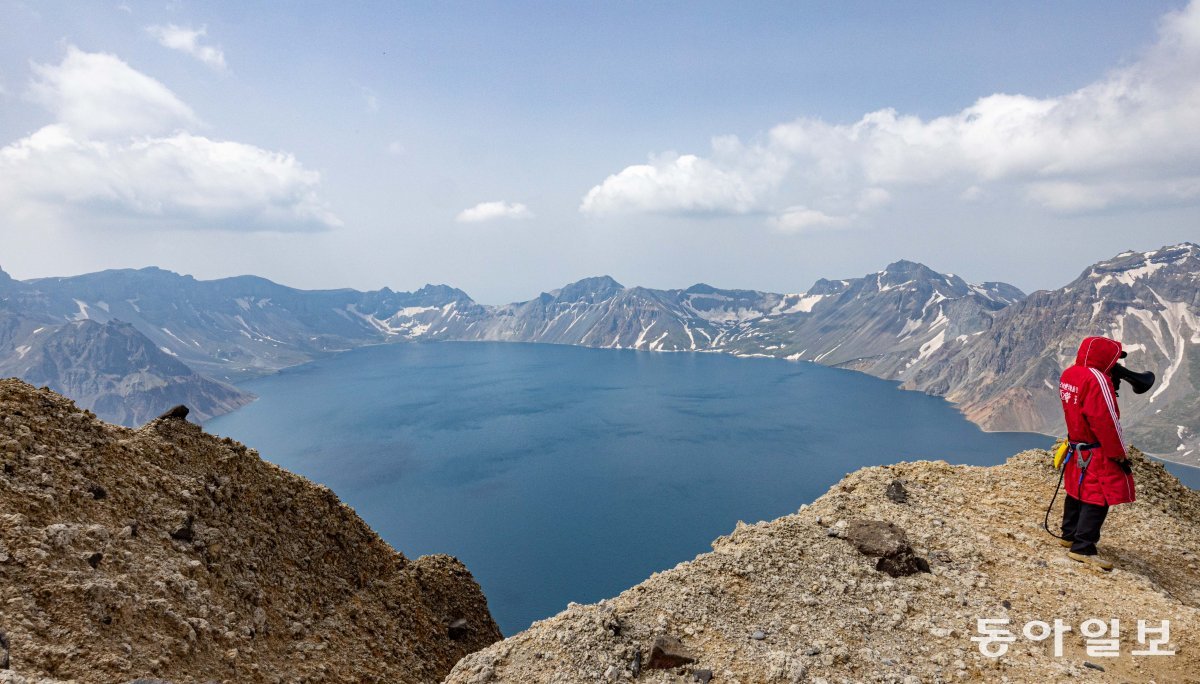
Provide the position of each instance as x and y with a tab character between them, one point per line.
508	148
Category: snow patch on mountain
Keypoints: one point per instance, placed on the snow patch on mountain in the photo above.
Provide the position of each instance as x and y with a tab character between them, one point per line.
804	304
931	346
83	314
1177	318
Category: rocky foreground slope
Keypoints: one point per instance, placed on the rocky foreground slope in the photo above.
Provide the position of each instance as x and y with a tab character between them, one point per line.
799	599
169	553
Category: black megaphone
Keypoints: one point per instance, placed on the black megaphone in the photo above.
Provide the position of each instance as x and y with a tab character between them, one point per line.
1140	382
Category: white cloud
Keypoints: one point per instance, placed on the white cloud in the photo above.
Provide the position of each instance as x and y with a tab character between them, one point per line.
97	94
118	147
804	220
187	40
490	211
1131	137
734	180
395	147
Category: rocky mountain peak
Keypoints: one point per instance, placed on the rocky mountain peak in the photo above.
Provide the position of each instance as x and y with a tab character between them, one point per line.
701	289
589	289
906	267
911	275
1138	264
440	294
1000	292
1166	270
825	286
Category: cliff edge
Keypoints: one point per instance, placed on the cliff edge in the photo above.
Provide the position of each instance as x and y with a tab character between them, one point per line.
166	552
883	579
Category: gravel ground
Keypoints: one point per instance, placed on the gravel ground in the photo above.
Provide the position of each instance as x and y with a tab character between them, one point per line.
795	600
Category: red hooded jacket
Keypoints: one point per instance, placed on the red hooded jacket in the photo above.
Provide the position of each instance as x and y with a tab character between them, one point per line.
1090	408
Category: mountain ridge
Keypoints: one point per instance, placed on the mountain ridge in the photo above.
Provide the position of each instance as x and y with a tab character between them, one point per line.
927	330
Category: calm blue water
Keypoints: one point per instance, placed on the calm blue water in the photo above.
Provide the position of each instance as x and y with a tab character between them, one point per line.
568	474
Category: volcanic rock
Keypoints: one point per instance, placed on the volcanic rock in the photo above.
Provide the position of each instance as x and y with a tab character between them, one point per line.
667	652
832	617
179	412
203	563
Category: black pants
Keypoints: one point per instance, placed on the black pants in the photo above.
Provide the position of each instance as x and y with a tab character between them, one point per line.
1081	524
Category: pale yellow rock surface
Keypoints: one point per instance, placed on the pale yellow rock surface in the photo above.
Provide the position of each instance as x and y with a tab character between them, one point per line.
824	614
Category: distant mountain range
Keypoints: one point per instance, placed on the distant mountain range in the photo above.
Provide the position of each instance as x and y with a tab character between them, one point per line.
128	343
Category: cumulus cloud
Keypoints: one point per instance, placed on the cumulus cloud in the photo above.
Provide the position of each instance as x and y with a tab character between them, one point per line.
490	211
735	179
1131	137
187	40
98	95
119	147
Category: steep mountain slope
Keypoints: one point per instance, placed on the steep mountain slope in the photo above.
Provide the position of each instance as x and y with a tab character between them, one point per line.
171	553
883	323
800	599
1006	379
110	368
115	371
234	328
600	312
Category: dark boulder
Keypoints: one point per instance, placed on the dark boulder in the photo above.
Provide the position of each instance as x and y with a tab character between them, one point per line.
179	412
457	630
887	542
668	652
185	532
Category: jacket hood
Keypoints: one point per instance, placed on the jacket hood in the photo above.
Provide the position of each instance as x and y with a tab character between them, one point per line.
1098	352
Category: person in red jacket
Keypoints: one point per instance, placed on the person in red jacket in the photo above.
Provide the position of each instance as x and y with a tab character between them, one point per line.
1097	472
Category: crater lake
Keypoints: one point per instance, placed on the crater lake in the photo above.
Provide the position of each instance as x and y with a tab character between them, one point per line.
560	473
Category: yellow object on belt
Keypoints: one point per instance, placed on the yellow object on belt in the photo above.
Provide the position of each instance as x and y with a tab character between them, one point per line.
1061	449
